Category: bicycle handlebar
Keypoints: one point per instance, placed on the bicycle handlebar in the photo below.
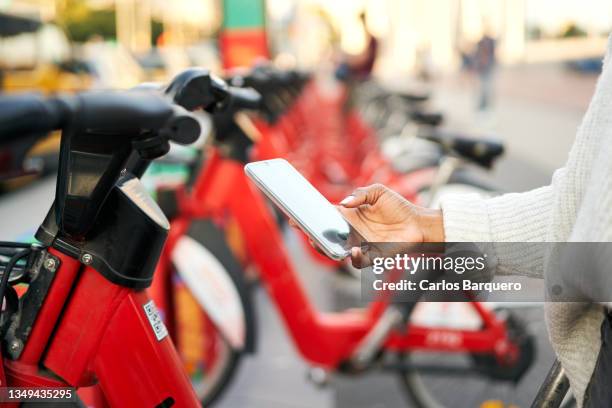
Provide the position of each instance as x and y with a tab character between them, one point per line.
278	88
29	113
182	127
133	113
245	98
100	131
197	88
130	113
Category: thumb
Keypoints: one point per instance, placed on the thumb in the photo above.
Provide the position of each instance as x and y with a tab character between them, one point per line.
360	257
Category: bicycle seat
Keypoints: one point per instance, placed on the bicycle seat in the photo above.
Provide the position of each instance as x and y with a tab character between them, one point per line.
480	151
427	118
412	97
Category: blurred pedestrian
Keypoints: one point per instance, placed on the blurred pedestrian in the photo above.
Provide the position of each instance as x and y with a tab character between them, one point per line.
358	68
424	62
484	65
354	70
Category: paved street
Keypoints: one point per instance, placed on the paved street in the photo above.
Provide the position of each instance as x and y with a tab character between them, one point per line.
537	113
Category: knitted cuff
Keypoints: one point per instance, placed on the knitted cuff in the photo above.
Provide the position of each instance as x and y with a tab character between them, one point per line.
520	217
465	218
515	217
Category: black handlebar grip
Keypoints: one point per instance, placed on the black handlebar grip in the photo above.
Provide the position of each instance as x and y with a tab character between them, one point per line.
29	113
245	98
197	88
123	112
110	112
182	128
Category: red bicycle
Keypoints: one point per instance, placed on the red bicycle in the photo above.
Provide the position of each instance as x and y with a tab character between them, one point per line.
76	312
338	151
349	342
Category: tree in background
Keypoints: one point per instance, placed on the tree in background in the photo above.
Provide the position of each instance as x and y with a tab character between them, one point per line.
82	22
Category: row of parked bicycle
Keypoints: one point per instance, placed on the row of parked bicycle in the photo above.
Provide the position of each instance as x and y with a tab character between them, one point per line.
138	303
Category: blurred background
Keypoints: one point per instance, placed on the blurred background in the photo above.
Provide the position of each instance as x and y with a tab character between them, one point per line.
522	71
544	52
154	38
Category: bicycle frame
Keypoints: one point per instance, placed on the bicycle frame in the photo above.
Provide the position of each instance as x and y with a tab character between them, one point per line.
323	339
87	331
88	320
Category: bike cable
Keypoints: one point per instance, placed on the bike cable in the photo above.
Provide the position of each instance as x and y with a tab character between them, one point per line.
10	265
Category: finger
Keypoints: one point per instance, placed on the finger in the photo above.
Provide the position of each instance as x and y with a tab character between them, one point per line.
359	258
364	195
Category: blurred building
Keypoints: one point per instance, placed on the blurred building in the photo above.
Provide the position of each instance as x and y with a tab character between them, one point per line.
441	29
412	32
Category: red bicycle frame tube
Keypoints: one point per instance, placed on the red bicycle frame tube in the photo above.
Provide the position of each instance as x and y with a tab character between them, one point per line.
324	339
161	289
103	334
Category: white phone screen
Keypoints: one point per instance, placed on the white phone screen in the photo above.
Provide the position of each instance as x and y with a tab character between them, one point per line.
298	199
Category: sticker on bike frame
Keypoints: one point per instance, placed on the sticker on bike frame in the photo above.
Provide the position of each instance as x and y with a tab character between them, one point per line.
159	328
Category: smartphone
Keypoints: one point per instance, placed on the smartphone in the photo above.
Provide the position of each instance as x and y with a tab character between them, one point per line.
299	200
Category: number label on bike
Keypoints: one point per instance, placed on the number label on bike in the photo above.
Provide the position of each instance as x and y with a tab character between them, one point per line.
159	328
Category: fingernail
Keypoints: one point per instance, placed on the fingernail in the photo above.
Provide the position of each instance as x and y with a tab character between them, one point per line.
347	200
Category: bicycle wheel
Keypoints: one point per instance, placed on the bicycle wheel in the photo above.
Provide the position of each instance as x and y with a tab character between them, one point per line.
210	358
479	378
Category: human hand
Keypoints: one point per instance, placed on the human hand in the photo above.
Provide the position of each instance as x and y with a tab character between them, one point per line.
379	214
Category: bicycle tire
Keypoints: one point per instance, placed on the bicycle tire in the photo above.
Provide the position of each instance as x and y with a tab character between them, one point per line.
421	396
213	239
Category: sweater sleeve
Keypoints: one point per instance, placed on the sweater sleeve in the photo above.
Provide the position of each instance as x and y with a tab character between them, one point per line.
514	217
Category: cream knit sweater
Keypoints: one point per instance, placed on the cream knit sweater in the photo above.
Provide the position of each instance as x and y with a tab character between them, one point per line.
576	206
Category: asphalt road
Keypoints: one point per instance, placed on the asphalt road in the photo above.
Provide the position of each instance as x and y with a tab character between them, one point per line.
537	124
